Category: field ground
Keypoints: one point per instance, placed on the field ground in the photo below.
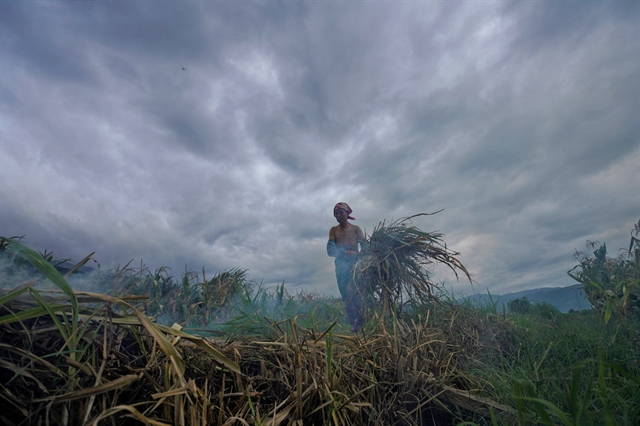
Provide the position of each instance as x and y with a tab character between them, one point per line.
146	349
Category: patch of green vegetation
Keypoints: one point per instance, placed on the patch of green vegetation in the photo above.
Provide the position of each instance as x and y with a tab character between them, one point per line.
554	368
612	284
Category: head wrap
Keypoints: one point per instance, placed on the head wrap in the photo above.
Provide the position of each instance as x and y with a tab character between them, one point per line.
346	208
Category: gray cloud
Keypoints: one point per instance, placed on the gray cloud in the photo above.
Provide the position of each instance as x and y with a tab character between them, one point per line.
220	134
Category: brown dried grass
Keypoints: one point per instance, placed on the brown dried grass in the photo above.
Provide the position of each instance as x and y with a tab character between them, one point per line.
124	374
79	358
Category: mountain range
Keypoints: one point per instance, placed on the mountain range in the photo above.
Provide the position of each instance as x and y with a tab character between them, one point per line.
563	298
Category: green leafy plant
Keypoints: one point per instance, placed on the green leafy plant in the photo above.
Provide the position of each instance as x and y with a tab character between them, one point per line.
521	305
612	285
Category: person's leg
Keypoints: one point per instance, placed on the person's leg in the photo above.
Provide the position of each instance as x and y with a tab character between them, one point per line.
343	274
353	305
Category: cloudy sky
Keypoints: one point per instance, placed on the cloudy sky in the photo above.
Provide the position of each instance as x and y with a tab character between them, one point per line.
220	134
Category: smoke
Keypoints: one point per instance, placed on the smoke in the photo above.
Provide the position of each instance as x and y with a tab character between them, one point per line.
16	272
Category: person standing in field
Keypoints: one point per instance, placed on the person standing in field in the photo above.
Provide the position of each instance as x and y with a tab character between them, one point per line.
343	245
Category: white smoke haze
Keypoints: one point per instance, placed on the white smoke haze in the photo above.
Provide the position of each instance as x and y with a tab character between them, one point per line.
16	272
221	134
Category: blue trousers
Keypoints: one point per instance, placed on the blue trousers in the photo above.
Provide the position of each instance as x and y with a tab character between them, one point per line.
348	291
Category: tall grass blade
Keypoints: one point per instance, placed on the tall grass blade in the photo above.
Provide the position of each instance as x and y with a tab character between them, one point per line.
46	268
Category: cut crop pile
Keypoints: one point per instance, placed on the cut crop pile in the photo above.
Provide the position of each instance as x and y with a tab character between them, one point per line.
392	267
76	358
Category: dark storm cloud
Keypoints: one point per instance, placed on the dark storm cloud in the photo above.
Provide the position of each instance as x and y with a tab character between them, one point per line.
42	44
222	133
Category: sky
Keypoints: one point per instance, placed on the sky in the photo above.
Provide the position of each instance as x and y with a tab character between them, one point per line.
220	134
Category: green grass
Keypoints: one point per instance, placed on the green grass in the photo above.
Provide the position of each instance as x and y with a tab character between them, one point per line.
568	369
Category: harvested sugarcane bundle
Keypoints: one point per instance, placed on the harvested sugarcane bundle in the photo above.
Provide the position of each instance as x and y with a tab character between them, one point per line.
393	264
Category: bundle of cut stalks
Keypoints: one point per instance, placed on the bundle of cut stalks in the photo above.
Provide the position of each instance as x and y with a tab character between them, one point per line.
393	264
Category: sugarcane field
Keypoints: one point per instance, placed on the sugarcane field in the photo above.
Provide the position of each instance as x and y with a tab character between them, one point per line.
147	347
319	213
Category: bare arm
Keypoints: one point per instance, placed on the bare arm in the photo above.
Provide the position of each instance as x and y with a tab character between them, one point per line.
332	249
359	238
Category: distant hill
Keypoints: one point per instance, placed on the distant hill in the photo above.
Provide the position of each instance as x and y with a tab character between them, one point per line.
563	298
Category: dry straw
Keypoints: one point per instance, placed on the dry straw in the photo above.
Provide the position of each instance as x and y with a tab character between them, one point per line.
393	265
82	358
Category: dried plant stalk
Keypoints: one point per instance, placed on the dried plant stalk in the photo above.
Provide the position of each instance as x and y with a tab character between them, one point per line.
393	265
